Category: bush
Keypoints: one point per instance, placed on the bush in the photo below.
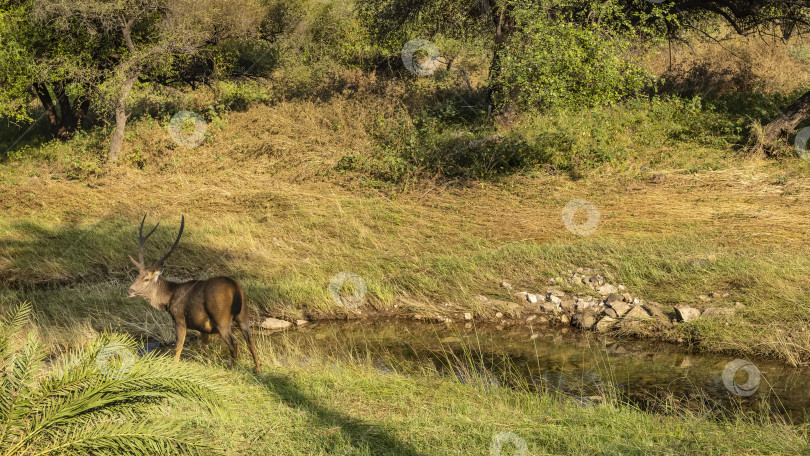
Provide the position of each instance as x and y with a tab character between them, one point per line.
550	63
240	95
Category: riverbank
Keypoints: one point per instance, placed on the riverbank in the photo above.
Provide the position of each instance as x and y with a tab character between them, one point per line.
339	410
668	234
317	395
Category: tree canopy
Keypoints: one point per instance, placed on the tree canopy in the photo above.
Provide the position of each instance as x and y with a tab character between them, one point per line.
74	53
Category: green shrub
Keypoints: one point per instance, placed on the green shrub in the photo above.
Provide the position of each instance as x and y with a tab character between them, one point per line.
443	141
550	63
239	95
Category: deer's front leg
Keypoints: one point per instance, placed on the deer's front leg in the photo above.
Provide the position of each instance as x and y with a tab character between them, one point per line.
180	329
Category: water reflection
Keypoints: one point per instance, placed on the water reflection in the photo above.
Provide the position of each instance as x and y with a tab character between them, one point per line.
585	367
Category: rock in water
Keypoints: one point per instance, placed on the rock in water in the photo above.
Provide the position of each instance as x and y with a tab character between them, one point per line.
275	323
655	310
548	307
567	304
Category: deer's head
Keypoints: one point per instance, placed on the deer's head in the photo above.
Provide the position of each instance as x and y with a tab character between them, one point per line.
148	279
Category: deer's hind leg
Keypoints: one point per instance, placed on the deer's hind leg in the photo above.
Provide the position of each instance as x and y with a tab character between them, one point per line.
227	336
204	343
244	327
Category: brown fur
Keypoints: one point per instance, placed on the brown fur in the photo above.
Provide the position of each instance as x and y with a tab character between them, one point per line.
208	306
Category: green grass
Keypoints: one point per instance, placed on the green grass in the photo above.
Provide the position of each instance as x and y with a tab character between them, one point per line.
306	401
330	408
77	277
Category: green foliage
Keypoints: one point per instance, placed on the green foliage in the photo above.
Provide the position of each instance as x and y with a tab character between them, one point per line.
13	65
321	41
549	62
239	95
439	141
99	399
37	51
446	141
391	23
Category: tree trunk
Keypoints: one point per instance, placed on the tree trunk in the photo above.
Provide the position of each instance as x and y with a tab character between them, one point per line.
783	125
121	117
67	119
63	121
82	110
504	26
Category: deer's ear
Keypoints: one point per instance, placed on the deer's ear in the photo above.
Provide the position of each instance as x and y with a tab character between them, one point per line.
135	262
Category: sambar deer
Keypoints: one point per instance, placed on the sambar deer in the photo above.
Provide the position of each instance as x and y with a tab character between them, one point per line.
208	306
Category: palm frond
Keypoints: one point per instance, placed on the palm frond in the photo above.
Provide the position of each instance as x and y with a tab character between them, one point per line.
98	399
117	437
11	323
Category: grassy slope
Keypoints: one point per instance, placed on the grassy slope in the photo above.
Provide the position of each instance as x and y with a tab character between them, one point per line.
284	222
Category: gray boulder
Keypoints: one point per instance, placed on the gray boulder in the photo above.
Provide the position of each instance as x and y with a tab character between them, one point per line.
686	313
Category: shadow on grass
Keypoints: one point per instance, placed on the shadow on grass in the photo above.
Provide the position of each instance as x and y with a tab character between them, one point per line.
78	273
362	435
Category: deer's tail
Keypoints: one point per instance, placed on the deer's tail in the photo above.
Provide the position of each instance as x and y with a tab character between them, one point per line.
239	303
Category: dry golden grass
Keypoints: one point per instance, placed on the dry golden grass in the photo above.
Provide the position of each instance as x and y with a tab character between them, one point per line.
746	196
730	62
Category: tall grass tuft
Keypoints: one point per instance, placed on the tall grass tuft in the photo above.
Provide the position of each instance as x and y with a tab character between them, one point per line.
99	399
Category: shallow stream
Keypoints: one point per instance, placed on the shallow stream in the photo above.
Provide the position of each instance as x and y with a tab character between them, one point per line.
584	366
